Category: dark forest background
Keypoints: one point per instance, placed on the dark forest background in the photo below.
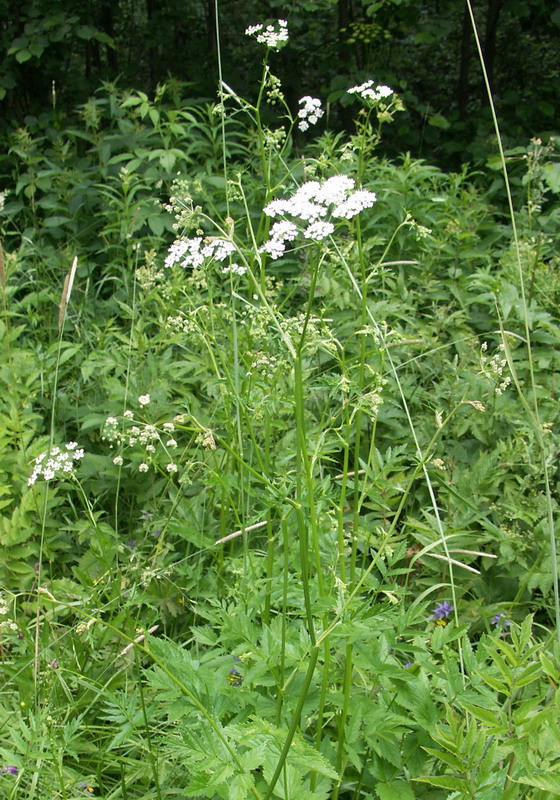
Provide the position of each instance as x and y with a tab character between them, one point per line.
55	54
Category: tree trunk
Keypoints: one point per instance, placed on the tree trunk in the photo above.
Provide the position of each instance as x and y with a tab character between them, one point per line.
463	88
492	17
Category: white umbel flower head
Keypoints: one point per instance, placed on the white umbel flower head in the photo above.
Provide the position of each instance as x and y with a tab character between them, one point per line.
273	35
56	463
310	112
316	204
370	93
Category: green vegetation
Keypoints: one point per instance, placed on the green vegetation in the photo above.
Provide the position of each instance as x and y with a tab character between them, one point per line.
278	425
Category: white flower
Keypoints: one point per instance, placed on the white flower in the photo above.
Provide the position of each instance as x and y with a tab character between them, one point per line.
171	443
143	467
234	269
127	415
335	189
219	249
118	461
55	463
272	36
313	203
384	91
355	203
111	422
284	231
172	467
310	112
367	91
185	252
169	427
144	399
274	247
318	230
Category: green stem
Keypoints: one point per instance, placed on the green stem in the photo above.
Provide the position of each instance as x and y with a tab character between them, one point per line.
313	656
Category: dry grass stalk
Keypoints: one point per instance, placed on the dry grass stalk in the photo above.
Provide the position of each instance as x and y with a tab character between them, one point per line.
238	533
453	561
138	640
66	292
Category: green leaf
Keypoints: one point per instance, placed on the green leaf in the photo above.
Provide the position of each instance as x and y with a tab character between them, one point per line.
239	787
36	49
55	222
167	160
492	681
439	121
550	668
541	780
396	790
23	55
485	716
444	782
85	32
156	224
551	174
447	758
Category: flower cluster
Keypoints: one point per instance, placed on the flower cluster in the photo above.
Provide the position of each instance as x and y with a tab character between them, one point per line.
371	94
56	463
148	437
206	439
6	625
10	770
234	269
493	367
501	622
311	204
310	112
272	36
442	610
194	252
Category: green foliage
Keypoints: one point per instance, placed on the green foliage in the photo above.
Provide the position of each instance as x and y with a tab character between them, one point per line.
288	463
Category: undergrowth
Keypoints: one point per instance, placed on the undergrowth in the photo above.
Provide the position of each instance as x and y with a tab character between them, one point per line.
274	519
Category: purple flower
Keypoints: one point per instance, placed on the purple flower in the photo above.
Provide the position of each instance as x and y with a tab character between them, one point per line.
442	610
408	664
11	770
500	620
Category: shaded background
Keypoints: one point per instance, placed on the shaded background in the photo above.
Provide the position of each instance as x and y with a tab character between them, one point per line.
55	54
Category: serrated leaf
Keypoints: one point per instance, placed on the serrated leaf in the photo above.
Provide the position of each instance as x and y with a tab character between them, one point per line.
485	716
541	780
444	782
396	790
